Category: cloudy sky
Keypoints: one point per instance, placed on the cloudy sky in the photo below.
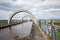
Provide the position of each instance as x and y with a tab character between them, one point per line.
42	9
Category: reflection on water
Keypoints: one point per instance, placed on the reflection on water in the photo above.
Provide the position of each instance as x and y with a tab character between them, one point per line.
18	30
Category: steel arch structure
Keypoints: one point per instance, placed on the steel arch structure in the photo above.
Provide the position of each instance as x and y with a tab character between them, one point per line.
28	17
19	11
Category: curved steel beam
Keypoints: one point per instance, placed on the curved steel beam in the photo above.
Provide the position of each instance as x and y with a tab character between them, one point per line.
28	16
33	19
19	11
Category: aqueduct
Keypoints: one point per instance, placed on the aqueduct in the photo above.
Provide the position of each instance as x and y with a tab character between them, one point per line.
30	15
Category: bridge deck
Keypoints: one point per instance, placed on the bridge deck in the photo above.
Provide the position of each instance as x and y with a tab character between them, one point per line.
36	34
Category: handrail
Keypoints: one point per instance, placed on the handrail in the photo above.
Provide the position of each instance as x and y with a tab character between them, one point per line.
5	26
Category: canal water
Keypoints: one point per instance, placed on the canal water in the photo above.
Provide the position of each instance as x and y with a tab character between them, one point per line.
21	30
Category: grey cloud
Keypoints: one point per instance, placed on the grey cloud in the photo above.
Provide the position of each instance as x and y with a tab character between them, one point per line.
56	6
8	6
5	6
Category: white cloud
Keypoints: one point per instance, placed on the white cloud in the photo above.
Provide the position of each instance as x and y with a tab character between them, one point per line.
22	3
41	8
4	14
50	9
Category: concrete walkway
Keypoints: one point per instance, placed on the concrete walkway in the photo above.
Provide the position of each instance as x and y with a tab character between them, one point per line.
36	33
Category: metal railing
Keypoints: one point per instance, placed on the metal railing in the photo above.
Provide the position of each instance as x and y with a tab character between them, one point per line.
53	32
45	28
6	26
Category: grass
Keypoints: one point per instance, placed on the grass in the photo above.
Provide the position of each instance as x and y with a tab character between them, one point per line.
58	34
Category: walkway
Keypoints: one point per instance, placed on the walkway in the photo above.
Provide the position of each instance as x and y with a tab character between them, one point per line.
37	34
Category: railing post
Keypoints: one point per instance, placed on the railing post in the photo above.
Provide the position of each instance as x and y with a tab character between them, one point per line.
53	31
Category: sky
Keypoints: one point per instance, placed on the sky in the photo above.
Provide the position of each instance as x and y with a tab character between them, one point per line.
42	9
